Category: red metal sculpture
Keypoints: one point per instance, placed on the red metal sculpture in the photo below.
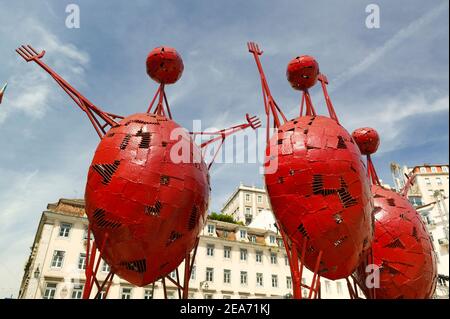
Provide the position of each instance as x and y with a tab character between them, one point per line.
402	247
2	92
319	192
147	189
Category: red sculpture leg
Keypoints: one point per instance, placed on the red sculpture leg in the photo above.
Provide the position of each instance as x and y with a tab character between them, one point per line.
93	262
296	265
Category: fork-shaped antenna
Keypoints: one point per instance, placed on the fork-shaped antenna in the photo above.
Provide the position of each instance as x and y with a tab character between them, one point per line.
271	107
254	121
254	48
28	53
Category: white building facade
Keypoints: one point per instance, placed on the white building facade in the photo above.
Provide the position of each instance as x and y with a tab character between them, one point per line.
430	196
246	203
232	261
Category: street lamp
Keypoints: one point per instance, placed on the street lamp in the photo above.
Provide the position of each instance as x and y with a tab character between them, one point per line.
37	272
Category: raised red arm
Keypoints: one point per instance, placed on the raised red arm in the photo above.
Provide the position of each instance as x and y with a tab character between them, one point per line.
94	114
271	107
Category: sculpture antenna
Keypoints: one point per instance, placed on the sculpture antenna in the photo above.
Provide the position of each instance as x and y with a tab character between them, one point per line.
95	114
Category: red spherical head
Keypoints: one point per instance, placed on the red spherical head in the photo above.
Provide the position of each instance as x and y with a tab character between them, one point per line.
145	202
402	249
302	72
164	65
367	140
320	193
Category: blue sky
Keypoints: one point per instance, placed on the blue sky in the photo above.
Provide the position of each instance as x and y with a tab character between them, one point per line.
394	79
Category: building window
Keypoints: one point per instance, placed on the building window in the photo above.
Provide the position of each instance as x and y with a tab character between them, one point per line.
259	255
226	276
226	252
226	297
225	233
210	250
252	238
105	267
339	288
211	229
273	258
248	210
415	200
173	274
82	262
274	281
260	210
430	192
243	277
209	274
85	235
58	258
444	169
423	170
427	181
259	279
148	294
50	290
77	292
126	293
101	295
439	180
208	296
433	169
243	233
64	230
260	199
171	295
272	239
193	272
327	286
286	260
247	197
243	254
288	282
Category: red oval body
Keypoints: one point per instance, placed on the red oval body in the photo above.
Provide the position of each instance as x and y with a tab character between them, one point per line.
164	65
302	72
146	209
320	193
402	248
367	139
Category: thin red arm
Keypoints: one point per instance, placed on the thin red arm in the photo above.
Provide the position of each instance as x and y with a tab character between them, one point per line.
409	182
269	102
324	81
28	53
371	172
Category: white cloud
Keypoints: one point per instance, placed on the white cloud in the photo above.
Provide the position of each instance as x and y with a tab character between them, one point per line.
24	195
402	35
30	87
388	115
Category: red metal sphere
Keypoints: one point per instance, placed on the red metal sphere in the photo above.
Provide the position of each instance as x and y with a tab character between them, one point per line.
320	193
164	65
367	140
402	248
302	72
146	209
